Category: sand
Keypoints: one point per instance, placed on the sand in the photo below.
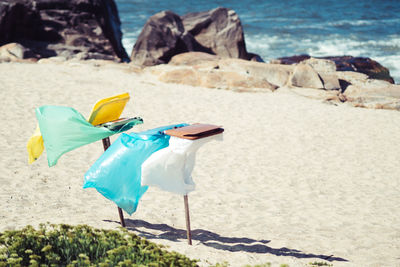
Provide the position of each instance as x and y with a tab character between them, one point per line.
295	180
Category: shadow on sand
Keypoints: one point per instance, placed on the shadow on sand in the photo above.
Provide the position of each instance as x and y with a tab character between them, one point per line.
216	241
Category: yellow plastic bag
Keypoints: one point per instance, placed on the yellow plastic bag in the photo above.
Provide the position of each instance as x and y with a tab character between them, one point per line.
108	109
35	145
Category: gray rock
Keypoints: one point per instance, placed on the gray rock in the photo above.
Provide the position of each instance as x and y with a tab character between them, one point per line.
321	65
165	34
372	96
365	65
330	81
162	37
51	27
305	76
219	30
326	70
13	52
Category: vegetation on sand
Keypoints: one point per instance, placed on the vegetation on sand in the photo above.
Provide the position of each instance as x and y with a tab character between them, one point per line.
81	245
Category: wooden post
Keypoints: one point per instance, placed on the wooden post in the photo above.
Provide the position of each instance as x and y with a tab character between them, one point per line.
106	145
188	233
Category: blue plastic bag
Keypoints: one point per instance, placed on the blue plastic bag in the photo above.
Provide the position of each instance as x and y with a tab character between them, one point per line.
117	173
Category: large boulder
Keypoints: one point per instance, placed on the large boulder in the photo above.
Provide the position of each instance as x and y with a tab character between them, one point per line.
162	37
305	76
220	30
326	70
217	32
63	28
365	65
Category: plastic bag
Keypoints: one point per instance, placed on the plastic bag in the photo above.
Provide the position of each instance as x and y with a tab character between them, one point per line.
105	110
35	146
117	173
170	168
108	109
64	129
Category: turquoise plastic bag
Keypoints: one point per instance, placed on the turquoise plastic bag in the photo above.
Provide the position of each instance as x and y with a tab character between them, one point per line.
64	129
117	173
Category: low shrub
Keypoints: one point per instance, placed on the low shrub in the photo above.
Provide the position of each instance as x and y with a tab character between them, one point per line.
81	245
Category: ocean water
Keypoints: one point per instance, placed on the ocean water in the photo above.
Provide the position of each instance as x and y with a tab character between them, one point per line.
279	28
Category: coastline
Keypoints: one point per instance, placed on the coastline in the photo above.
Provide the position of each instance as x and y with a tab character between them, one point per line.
295	180
275	29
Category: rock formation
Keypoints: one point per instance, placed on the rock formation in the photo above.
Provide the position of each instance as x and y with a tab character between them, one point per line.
68	28
313	78
165	35
365	65
220	30
201	69
162	37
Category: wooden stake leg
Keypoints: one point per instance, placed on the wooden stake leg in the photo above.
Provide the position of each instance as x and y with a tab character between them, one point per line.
106	145
121	217
188	233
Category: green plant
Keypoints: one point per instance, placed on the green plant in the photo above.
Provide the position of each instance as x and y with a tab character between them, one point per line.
81	245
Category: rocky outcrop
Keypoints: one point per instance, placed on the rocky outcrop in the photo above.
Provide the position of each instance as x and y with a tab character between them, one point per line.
162	37
365	65
67	28
385	96
165	34
201	69
220	30
370	93
312	78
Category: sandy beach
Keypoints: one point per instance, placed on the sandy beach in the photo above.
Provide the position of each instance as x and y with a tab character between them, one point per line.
295	180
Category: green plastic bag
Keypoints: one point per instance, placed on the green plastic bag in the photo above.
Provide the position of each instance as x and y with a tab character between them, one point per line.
64	129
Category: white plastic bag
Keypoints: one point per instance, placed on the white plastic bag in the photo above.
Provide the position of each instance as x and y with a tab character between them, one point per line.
170	168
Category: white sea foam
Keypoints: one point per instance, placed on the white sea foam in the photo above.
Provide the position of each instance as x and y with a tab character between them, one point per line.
129	39
299	24
361	22
393	64
370	48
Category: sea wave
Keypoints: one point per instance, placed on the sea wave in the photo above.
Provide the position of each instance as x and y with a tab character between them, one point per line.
295	23
129	38
393	64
